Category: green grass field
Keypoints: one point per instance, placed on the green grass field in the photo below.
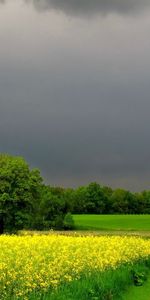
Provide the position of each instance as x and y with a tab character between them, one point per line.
138	293
112	222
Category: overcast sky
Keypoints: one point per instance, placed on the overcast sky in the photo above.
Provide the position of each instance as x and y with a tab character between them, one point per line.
75	89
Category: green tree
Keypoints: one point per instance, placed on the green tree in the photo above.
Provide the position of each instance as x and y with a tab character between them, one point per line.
146	202
68	222
19	193
96	199
51	211
119	201
80	200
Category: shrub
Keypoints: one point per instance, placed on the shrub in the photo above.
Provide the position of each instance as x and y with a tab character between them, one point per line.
68	223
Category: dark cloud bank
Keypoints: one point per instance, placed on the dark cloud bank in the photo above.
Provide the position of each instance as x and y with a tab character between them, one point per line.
89	7
75	101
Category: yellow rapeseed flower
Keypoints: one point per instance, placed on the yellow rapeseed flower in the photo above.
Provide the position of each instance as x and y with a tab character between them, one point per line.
29	263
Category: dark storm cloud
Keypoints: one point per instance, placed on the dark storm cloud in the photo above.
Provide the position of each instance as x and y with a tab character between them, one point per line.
74	100
77	141
90	7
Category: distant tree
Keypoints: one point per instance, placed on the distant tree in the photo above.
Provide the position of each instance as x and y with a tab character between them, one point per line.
146	201
51	211
108	191
139	206
96	199
91	199
80	200
119	201
68	198
57	191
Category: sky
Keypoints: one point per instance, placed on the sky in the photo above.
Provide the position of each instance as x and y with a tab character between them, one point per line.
75	89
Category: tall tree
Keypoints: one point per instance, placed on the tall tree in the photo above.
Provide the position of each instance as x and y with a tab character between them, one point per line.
19	192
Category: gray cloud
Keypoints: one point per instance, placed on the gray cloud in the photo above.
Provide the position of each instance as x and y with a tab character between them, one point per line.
74	100
88	7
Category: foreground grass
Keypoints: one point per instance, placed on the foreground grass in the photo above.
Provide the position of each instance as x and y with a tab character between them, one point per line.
112	222
138	293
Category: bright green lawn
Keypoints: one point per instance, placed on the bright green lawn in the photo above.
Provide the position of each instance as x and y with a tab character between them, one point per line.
138	293
112	222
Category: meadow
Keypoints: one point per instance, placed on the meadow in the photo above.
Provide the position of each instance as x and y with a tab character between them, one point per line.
140	293
69	267
112	222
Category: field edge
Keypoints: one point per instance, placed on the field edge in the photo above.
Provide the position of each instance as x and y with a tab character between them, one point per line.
110	284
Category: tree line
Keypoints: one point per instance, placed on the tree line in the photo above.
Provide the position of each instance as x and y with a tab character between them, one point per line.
26	202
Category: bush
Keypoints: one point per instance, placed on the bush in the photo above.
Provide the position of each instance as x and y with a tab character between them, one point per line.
68	223
58	223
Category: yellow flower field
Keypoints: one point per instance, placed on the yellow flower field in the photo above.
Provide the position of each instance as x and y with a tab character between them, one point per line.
38	262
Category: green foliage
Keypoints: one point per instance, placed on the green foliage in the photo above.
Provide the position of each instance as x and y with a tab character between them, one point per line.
51	209
140	274
58	222
139	278
19	193
68	223
96	199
